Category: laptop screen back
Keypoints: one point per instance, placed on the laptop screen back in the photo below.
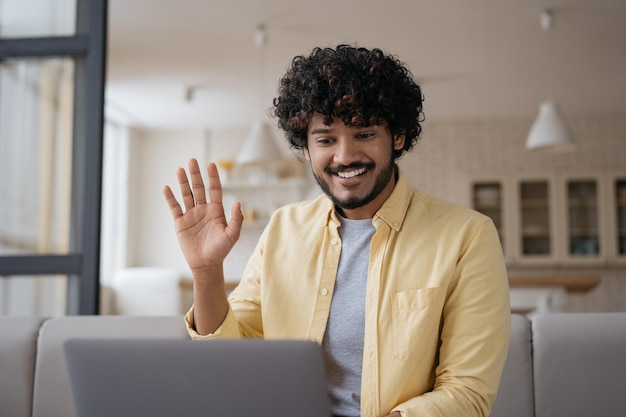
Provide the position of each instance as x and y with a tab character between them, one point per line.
225	378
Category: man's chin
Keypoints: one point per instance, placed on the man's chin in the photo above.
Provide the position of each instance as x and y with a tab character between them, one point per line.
345	199
350	203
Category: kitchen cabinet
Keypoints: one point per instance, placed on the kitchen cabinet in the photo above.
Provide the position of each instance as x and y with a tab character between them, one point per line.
550	219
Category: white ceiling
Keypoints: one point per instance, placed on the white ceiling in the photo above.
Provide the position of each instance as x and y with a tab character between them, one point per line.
476	58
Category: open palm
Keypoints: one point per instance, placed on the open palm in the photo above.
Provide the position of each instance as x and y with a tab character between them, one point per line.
204	234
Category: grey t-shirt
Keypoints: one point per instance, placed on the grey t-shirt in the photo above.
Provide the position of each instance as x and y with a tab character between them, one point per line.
343	340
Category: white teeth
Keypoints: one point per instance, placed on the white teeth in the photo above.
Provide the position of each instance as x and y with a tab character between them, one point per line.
350	174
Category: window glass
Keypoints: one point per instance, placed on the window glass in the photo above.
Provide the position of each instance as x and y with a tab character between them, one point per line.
582	202
36	98
42	296
37	18
535	216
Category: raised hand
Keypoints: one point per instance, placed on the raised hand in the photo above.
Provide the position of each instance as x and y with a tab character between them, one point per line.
204	234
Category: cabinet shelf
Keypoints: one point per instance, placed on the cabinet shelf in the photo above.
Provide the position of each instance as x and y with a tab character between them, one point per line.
583	203
583	232
534	204
536	234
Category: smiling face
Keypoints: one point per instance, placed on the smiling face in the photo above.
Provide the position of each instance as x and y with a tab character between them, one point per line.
353	165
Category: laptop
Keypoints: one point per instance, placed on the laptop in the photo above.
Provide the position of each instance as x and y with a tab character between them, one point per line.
184	378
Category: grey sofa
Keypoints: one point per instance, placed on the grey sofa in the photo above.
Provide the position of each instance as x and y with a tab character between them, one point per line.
559	365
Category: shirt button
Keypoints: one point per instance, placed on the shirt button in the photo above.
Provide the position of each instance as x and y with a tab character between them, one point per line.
324	291
333	242
395	224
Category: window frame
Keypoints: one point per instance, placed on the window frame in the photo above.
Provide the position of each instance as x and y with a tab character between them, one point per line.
88	49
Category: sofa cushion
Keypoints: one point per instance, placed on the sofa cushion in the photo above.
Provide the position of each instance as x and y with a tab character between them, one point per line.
52	396
580	364
515	395
18	342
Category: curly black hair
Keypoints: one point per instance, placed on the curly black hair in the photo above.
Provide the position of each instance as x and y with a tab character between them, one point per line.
362	87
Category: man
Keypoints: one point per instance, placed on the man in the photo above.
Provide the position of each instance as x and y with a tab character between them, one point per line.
407	294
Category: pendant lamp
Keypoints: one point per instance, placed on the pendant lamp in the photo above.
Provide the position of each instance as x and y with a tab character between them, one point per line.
549	131
259	148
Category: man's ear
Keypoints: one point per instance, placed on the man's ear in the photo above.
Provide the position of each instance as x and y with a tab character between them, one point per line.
305	152
398	142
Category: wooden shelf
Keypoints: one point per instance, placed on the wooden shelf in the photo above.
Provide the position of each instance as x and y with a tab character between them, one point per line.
278	183
571	284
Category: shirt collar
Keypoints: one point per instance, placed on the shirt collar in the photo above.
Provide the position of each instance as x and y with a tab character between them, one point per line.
393	210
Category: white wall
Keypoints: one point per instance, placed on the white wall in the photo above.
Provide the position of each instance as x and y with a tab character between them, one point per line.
155	155
154	158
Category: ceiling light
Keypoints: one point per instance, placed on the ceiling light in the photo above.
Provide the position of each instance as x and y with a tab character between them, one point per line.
549	129
259	147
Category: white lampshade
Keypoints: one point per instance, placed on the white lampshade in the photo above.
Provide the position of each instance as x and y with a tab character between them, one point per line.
259	147
549	130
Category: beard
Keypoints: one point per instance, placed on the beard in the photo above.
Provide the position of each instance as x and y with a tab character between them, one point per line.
355	202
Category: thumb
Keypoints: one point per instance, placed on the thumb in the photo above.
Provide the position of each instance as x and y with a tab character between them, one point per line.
236	220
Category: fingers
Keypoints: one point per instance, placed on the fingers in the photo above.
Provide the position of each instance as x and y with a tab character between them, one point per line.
185	189
196	195
215	186
197	182
175	208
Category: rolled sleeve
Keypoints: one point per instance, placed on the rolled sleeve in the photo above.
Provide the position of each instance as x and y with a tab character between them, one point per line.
229	328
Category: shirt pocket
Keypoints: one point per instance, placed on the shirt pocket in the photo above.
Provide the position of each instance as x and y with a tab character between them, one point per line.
416	319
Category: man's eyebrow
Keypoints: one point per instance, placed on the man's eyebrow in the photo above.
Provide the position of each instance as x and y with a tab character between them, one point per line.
318	130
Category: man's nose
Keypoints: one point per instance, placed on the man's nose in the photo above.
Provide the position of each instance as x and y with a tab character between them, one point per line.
347	152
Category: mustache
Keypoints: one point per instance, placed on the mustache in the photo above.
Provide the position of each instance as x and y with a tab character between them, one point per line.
357	165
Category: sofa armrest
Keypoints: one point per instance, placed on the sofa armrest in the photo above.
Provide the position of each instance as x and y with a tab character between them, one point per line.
515	395
580	364
52	395
18	342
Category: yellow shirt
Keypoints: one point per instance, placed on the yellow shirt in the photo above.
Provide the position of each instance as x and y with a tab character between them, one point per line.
437	317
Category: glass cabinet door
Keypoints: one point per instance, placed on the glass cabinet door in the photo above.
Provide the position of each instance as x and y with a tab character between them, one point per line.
582	226
535	218
487	199
620	211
